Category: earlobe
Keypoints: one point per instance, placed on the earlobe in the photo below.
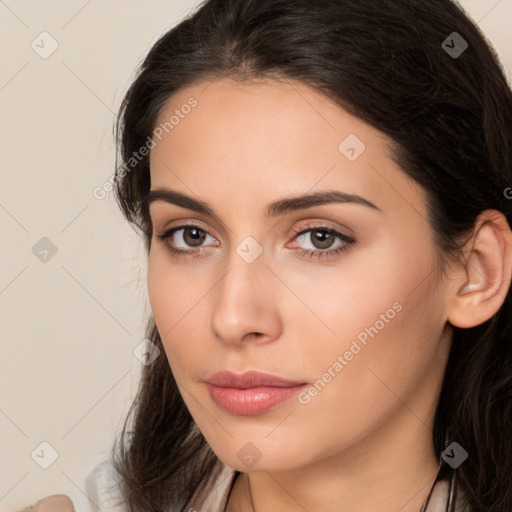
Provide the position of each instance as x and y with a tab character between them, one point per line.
484	278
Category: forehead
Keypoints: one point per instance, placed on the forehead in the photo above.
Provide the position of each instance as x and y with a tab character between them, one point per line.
272	139
242	116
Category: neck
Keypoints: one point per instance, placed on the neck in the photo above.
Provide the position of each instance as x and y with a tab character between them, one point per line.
363	478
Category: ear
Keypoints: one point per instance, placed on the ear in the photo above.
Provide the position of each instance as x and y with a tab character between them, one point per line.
482	281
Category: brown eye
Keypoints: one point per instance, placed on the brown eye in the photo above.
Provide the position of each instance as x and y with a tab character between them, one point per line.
185	240
322	238
322	241
193	236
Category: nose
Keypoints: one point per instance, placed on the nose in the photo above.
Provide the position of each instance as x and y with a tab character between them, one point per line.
245	303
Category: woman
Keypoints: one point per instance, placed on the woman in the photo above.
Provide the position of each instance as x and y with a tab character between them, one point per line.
323	191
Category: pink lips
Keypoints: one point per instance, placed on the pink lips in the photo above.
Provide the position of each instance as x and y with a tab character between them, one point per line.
252	392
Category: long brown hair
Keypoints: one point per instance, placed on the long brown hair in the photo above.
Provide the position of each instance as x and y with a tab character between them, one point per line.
449	116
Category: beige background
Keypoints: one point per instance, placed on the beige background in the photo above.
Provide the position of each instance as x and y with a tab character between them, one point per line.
69	325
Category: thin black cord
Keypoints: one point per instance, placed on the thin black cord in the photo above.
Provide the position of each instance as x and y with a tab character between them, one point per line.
453	492
441	473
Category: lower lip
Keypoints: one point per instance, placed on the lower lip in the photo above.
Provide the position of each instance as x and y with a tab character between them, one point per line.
251	401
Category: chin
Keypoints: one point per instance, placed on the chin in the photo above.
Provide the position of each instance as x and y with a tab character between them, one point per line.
248	456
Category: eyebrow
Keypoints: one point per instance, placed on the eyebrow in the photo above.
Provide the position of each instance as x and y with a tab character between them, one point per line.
274	209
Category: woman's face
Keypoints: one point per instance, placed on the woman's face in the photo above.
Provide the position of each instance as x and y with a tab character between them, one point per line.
342	296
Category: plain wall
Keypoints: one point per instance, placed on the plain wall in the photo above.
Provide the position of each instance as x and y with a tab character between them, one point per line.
69	325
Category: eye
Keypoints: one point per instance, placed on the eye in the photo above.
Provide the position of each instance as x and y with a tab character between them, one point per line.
192	236
323	239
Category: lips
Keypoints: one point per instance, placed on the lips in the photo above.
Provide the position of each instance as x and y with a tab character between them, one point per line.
252	392
250	379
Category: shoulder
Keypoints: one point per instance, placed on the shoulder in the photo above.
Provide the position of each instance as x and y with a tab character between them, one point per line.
102	488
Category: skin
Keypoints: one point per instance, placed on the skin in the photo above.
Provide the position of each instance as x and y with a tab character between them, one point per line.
363	442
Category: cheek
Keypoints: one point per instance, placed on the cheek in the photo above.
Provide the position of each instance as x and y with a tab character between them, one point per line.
167	299
178	299
388	373
388	323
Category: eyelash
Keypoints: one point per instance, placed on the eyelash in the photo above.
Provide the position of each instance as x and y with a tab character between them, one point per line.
307	253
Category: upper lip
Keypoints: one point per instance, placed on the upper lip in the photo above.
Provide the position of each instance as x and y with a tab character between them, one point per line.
250	379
